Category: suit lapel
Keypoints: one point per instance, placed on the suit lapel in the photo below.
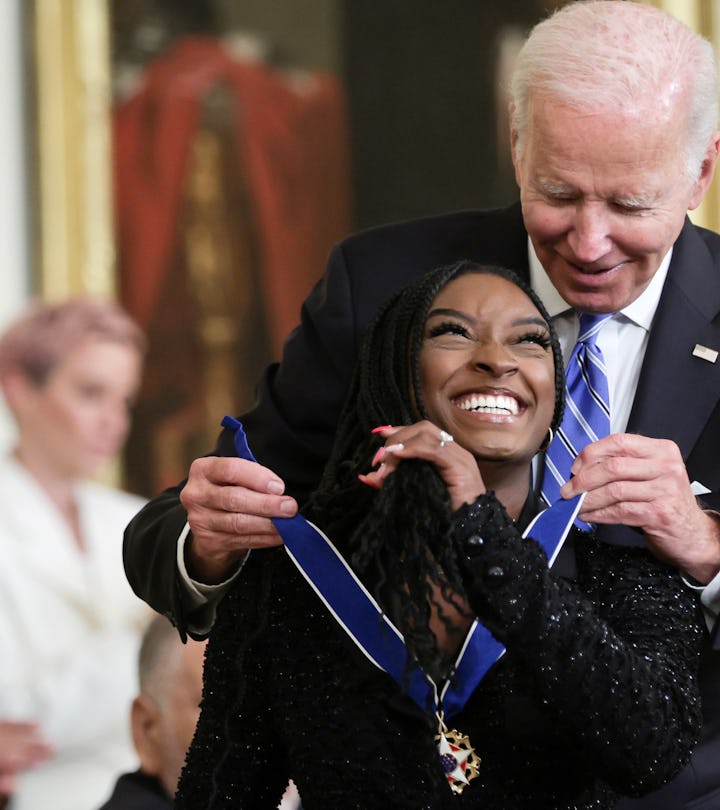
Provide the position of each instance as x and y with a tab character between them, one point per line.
677	392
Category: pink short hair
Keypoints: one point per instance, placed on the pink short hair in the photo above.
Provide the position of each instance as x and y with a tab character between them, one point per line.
40	337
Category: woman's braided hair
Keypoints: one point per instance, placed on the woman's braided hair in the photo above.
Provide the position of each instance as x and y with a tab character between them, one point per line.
398	537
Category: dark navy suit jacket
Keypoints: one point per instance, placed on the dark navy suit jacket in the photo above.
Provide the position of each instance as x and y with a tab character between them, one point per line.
299	400
138	791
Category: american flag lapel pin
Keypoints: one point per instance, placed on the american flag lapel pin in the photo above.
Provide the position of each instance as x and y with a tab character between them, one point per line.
704	353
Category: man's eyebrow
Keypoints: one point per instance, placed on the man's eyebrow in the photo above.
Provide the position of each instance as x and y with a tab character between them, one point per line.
553	187
557	189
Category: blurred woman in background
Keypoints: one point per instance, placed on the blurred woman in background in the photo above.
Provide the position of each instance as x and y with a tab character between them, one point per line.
69	622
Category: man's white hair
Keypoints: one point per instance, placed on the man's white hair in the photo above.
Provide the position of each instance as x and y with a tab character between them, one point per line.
615	55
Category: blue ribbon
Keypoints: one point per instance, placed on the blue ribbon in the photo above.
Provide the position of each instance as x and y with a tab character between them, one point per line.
355	609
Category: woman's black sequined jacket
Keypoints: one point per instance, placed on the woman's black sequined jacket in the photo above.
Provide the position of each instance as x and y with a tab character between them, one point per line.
596	694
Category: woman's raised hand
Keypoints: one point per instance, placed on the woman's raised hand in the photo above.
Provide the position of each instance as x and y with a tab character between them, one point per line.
456	465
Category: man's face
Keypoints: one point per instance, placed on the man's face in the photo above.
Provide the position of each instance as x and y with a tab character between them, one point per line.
164	717
604	197
179	714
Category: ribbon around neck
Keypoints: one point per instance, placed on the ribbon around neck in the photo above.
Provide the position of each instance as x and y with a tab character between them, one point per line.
362	618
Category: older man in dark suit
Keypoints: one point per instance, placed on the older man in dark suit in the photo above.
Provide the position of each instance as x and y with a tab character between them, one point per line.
613	121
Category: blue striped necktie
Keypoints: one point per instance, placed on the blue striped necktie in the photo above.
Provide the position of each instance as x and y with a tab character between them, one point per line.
587	407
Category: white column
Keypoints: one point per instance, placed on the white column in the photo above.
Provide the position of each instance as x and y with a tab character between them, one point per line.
14	240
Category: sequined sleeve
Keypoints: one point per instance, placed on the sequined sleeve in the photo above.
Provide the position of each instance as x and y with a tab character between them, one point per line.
614	655
237	759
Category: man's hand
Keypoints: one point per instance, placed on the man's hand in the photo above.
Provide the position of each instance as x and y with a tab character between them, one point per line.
229	502
637	481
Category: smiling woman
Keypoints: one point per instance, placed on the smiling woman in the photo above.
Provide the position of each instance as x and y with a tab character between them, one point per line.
463	621
488	369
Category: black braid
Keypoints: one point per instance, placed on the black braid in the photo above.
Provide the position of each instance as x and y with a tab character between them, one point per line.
400	534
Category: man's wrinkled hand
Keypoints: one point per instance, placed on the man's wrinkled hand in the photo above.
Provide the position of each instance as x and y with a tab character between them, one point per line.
229	503
638	481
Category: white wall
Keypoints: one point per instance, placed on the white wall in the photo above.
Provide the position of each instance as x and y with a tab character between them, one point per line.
14	231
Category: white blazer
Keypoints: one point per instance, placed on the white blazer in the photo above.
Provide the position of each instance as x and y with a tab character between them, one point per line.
69	633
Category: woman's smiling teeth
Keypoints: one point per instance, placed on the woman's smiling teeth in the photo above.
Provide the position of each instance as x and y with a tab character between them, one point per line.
489	403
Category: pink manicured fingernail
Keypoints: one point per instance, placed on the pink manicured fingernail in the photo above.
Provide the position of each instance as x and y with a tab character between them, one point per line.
380	429
378	456
367	481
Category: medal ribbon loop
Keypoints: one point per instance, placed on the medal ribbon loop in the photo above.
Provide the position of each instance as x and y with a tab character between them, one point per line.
362	618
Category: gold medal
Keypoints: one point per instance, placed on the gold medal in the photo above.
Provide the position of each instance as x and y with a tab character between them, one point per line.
458	759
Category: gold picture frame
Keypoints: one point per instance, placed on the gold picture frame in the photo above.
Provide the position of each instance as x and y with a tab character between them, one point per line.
73	227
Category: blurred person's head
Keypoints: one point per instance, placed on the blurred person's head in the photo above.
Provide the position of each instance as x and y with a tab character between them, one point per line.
166	710
70	372
613	120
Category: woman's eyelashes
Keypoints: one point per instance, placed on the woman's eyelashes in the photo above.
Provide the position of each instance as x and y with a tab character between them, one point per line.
537	336
448	328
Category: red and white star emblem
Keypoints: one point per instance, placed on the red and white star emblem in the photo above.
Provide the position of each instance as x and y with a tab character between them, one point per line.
457	758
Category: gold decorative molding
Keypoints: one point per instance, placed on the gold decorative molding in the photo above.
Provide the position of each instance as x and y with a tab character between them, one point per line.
74	230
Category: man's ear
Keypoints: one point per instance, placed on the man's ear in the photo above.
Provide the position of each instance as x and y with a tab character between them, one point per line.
514	142
146	733
707	171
